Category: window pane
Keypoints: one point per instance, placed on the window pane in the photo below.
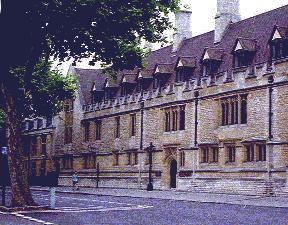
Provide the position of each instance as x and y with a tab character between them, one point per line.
243	109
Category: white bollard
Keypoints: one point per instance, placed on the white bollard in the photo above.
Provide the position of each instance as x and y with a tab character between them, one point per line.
52	197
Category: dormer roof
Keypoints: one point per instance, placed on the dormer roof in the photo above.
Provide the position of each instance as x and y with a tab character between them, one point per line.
279	32
144	74
244	44
111	83
215	54
186	61
163	69
128	78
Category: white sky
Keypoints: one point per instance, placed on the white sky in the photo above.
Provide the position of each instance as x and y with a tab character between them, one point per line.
204	11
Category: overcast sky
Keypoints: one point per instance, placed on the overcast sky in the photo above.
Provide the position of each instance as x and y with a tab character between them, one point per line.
204	11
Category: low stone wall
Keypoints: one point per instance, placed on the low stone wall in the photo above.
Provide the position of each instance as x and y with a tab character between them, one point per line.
248	186
245	186
111	182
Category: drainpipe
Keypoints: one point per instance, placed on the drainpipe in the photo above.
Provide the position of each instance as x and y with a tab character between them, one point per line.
270	81
141	132
270	137
196	94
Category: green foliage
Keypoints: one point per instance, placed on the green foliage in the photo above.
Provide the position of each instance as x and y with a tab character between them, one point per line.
2	117
110	31
49	88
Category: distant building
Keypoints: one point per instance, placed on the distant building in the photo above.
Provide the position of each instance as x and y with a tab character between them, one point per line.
214	106
37	138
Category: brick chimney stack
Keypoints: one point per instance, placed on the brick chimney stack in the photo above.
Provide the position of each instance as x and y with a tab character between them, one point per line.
228	11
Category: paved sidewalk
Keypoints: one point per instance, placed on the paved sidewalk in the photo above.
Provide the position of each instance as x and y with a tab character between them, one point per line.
281	202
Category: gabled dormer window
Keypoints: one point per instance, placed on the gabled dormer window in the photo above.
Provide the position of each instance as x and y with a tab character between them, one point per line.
109	93
158	82
144	79
243	52
182	75
242	59
110	89
128	84
211	61
184	68
161	74
279	43
96	95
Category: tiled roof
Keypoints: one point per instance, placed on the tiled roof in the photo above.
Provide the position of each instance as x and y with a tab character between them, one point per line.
258	28
213	53
164	68
129	78
283	32
88	77
187	61
246	44
145	74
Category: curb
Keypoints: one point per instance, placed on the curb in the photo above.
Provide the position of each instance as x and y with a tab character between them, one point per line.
238	202
26	208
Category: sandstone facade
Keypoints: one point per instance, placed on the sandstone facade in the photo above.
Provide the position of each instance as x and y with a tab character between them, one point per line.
221	126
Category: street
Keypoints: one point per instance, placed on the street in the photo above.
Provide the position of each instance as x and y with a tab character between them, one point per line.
92	209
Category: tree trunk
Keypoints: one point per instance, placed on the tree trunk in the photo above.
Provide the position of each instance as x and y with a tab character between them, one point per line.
21	194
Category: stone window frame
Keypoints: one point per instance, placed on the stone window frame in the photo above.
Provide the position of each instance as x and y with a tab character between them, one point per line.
278	49
261	152
183	74
215	154
210	68
242	59
116	155
33	151
249	152
209	154
43	165
182	158
234	109
174	121
98	129
44	144
182	117
67	162
117	127
230	150
86	130
204	154
132	158
88	158
174	118
136	158
133	120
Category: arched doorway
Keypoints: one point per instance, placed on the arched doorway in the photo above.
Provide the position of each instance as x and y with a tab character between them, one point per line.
173	173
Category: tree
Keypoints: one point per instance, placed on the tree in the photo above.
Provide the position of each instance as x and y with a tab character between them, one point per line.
35	30
48	89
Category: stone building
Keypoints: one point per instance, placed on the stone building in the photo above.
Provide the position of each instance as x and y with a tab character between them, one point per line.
214	106
37	136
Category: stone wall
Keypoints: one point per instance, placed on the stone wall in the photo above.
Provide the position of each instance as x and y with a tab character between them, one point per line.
168	145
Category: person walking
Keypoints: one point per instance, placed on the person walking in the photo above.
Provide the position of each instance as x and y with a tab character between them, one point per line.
75	180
